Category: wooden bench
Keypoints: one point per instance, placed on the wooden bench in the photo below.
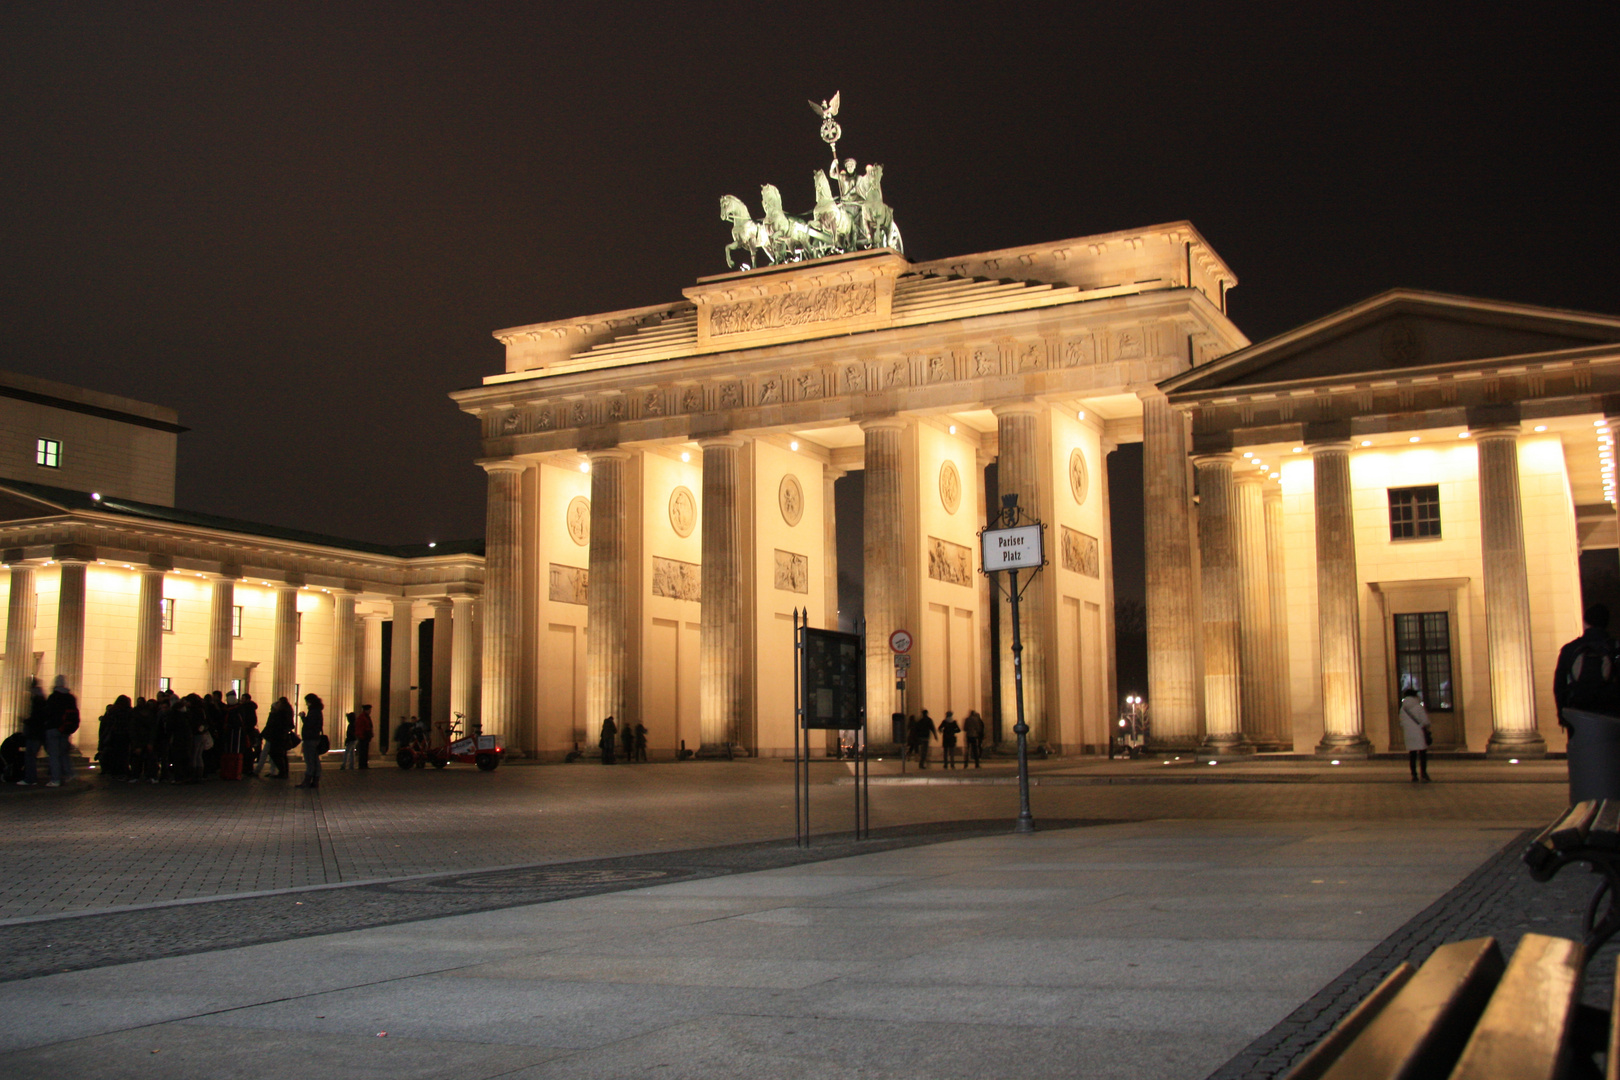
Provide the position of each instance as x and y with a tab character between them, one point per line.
1588	832
1467	1016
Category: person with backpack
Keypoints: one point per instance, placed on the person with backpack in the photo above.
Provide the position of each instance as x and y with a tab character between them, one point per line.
61	721
1585	677
1586	688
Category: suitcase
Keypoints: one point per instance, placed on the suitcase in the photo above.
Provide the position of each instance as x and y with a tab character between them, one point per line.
230	766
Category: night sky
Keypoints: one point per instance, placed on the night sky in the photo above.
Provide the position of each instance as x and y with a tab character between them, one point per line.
298	224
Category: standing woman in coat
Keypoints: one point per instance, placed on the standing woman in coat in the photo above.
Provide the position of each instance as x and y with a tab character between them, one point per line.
314	740
1415	726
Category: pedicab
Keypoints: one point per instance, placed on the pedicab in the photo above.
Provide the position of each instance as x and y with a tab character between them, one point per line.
484	751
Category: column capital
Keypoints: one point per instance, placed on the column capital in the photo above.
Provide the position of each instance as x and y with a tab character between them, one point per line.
1204	461
830	471
886	423
1019	408
439	603
727	442
1325	446
503	465
1249	476
1486	434
15	557
611	453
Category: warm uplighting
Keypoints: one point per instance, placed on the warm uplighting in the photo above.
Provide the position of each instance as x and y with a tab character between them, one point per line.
1335	761
1513	761
1212	761
686	455
95	495
1366	442
1462	434
1299	449
1599	423
1415	438
953	429
433	543
1082	414
1275	475
794	445
585	466
1248	453
1541	427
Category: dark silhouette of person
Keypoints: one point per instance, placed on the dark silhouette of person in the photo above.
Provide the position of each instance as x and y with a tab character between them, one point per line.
947	739
609	741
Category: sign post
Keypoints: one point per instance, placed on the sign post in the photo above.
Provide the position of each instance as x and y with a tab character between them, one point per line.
829	683
1015	544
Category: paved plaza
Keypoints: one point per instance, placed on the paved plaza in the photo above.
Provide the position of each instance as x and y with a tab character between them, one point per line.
1176	920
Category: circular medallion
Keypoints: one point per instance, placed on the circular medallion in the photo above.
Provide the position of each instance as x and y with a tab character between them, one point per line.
791	497
1079	481
579	520
950	487
682	511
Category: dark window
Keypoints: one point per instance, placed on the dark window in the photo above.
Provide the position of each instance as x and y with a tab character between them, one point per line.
166	606
1414	512
298	629
48	452
1423	657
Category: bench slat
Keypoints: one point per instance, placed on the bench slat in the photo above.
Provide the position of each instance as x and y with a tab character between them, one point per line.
1571	831
1423	1030
1524	1030
1314	1064
1605	830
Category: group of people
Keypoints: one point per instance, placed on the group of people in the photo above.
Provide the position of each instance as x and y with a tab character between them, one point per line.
633	737
921	732
178	739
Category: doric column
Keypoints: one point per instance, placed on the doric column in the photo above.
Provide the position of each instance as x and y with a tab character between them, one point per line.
883	521
1256	678
463	662
1223	689
221	642
284	666
503	593
606	594
1018	449
720	662
1110	628
1338	604
70	624
401	666
829	545
1276	569
443	636
19	667
344	671
149	629
1171	597
1507	598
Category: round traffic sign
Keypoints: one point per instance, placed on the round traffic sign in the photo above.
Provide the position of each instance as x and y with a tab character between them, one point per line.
900	641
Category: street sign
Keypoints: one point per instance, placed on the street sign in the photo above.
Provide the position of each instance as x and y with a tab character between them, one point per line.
1018	548
900	641
902	665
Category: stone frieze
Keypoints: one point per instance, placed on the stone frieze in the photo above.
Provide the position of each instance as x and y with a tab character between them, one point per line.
830	304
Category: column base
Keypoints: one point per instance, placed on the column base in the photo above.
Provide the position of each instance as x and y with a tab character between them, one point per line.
1176	744
1515	744
1226	746
722	752
1343	746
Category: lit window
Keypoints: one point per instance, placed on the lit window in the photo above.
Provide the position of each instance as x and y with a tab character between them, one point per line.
163	684
166	607
1414	512
236	684
1423	657
236	621
48	452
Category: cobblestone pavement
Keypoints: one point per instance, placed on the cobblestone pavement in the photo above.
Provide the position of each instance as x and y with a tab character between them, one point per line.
103	846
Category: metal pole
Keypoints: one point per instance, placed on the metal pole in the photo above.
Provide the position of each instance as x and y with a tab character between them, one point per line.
798	712
1026	823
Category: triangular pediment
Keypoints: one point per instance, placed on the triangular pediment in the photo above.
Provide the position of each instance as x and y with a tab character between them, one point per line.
1400	331
16	505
